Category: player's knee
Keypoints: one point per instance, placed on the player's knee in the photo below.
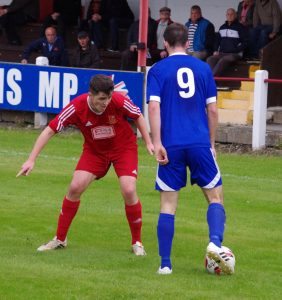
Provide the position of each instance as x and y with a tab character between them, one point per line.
76	188
129	191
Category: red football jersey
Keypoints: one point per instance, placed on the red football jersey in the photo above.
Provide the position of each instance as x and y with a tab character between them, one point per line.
109	131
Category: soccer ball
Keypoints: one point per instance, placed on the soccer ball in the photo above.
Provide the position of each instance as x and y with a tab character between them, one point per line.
213	267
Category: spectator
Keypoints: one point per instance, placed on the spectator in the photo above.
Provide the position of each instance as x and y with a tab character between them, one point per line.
245	17
95	23
86	54
17	13
230	44
129	56
245	12
266	25
65	13
50	46
112	14
200	34
164	20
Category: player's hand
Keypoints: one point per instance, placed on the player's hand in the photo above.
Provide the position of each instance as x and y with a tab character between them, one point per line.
26	168
161	155
150	148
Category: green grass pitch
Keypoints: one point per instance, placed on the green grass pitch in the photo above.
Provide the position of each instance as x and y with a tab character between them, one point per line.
98	264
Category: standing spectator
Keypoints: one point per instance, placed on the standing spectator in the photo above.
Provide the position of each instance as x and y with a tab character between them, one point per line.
19	12
230	43
130	55
245	17
94	18
86	54
266	25
183	117
112	14
65	13
101	115
245	12
200	34
164	20
50	46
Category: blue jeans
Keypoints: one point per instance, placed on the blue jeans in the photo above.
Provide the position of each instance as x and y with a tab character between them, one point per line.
259	38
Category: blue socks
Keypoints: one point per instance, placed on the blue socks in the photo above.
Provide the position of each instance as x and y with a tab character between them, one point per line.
216	221
165	231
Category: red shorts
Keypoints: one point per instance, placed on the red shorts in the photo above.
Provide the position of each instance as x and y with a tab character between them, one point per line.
125	162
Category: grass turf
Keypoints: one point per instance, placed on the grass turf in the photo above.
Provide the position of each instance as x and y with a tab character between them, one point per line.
98	263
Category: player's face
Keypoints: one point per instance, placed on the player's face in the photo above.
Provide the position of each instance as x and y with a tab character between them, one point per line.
100	101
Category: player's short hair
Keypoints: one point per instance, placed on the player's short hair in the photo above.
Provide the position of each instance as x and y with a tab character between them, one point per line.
176	34
101	83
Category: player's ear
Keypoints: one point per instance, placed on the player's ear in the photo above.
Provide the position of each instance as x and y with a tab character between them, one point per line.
166	44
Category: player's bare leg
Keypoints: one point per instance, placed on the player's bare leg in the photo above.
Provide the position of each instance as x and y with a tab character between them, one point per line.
79	183
133	210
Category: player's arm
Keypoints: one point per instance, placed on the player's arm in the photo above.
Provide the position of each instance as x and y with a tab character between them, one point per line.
141	125
41	141
155	124
212	121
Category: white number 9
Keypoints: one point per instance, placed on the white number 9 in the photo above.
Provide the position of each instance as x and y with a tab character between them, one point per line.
185	79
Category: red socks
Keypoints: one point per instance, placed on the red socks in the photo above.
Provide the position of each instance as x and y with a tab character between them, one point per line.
134	217
68	212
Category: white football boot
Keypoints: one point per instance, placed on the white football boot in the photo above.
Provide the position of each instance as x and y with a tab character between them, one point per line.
220	257
53	245
164	271
138	249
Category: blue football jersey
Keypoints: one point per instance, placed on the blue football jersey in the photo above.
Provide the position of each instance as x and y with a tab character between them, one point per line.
184	86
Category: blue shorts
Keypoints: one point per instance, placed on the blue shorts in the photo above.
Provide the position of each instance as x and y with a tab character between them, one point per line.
203	168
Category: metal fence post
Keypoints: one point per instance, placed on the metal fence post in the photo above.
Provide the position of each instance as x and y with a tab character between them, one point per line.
260	110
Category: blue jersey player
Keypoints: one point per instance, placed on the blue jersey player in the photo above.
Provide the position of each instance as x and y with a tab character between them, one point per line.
183	117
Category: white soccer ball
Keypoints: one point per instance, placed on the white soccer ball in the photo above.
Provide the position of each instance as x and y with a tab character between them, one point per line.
213	267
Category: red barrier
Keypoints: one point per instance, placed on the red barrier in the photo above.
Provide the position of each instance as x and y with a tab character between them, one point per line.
245	79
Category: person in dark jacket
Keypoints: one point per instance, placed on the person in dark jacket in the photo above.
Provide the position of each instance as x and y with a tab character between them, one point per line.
162	23
51	46
112	14
65	13
230	43
130	55
18	13
201	34
86	55
245	12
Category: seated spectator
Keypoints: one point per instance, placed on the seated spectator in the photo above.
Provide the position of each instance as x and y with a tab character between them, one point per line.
50	46
200	34
230	43
164	20
266	25
19	12
130	55
112	14
65	13
86	55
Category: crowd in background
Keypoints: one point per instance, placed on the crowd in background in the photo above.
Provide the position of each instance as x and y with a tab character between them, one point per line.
244	32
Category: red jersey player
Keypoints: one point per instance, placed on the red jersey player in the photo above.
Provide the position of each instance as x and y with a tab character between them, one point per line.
101	115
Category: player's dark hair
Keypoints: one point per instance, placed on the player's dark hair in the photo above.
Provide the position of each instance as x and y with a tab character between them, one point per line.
176	34
101	83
